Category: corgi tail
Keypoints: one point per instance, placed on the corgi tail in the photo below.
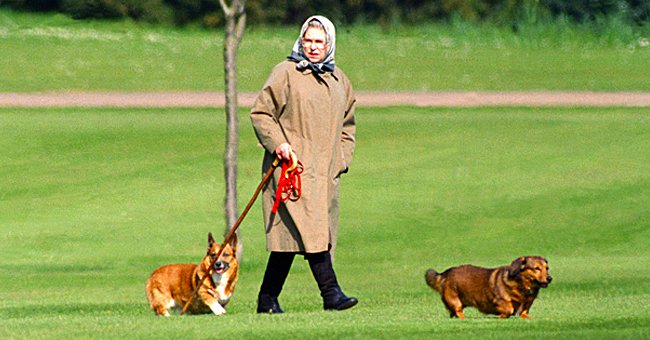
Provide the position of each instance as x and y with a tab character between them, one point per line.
433	279
149	291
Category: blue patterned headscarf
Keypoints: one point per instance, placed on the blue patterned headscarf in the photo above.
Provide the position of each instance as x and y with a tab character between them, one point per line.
298	54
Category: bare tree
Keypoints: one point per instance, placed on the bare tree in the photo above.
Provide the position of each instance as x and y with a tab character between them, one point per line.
235	23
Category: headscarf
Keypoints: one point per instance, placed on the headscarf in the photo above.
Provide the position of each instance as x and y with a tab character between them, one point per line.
298	54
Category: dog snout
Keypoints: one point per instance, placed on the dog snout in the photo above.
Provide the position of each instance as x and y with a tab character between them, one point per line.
221	266
546	282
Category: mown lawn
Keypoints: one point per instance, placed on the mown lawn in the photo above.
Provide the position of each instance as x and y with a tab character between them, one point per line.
54	53
92	200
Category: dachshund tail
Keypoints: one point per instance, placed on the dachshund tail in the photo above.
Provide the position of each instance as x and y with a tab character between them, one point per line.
433	279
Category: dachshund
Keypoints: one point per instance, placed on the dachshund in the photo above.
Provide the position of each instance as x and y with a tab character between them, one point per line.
504	291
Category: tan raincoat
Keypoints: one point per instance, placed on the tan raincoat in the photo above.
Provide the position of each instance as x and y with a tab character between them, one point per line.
315	115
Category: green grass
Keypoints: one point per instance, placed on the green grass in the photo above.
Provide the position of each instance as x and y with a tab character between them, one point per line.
92	200
52	53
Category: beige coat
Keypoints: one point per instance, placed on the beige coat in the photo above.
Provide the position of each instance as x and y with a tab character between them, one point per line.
315	115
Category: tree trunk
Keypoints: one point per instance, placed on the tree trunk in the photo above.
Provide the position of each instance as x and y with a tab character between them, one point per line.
235	23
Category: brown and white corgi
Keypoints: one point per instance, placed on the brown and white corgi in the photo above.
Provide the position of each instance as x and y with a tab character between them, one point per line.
171	286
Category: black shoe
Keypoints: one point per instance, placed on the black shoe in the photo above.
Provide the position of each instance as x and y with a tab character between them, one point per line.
269	305
340	302
330	291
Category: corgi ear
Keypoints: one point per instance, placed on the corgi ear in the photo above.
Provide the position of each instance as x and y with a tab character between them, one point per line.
233	242
210	243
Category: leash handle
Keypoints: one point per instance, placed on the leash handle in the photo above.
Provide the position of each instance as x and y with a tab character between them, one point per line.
294	162
289	184
265	179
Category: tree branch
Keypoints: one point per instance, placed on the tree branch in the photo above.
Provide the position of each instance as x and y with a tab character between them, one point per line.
241	8
226	10
239	29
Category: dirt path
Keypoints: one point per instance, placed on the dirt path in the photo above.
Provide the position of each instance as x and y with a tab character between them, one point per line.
216	99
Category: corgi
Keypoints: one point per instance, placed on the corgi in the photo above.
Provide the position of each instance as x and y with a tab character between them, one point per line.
171	286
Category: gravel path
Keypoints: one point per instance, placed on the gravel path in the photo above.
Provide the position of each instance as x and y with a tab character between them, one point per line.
216	99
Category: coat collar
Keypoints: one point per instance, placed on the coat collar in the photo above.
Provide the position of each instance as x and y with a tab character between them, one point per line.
334	74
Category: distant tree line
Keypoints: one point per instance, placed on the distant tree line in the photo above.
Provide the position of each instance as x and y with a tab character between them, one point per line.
384	12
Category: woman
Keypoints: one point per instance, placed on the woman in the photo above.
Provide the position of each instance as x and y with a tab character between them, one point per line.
306	107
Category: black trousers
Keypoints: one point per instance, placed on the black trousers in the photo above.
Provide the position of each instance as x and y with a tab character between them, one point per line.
279	264
277	270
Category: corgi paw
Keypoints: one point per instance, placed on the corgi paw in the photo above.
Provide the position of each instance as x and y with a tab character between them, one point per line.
217	309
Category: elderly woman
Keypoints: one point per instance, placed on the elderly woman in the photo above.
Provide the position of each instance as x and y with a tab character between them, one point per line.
306	107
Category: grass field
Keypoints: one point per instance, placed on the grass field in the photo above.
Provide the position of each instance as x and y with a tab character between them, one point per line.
53	53
92	200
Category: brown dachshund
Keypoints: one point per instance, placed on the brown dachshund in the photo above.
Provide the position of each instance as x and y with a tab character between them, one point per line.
504	291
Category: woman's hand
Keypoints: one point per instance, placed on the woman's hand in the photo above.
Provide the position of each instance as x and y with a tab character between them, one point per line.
284	151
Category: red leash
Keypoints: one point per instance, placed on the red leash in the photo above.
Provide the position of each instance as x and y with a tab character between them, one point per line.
290	185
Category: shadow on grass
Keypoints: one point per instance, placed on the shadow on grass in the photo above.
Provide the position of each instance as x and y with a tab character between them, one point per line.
74	309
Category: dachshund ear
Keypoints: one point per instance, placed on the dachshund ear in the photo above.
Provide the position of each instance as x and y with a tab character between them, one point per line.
522	262
516	267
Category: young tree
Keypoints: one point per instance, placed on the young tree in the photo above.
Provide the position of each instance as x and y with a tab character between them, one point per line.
235	16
